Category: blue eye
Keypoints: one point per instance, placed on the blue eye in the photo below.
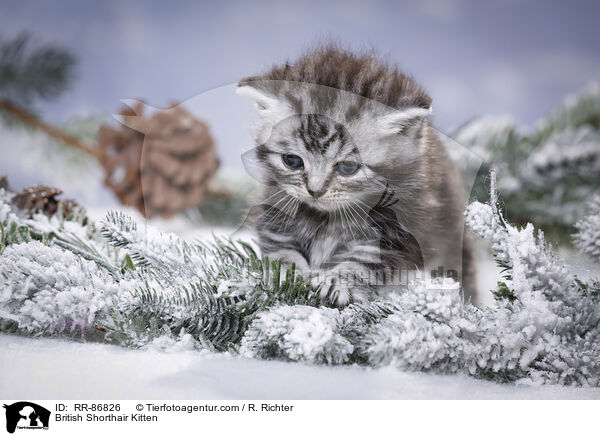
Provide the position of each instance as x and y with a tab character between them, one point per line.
347	168
292	161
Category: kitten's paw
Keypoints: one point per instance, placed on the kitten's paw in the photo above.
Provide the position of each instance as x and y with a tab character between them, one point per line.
340	297
335	295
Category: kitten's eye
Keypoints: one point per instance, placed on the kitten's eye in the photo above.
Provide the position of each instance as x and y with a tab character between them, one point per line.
292	161
347	168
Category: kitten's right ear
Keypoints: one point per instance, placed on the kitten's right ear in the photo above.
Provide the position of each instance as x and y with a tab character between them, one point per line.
397	121
269	108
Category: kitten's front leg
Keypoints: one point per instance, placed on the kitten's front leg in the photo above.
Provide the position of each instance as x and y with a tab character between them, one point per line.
283	247
346	282
349	279
289	256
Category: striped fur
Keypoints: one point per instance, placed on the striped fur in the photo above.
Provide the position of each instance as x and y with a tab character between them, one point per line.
402	210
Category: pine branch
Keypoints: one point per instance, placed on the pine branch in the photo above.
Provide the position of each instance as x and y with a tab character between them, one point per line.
587	238
51	131
156	290
545	173
28	72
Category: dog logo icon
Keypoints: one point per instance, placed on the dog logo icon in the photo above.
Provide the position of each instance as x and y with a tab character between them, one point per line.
26	415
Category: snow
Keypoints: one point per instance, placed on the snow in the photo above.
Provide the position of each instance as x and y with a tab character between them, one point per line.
60	369
52	368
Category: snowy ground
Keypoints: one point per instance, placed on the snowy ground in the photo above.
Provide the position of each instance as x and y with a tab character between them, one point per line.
58	369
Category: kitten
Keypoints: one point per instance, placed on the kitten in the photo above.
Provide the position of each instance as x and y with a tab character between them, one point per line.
355	179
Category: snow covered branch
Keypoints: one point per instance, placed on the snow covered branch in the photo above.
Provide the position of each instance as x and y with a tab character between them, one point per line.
138	287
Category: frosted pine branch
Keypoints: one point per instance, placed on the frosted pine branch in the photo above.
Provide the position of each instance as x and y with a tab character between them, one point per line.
587	238
545	172
547	333
149	289
48	289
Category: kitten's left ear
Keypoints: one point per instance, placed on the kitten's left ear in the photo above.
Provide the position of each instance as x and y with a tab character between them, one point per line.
399	120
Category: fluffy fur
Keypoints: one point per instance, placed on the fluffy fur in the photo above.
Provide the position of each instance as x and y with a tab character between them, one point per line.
401	211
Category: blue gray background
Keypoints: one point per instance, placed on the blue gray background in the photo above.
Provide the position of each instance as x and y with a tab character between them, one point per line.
474	57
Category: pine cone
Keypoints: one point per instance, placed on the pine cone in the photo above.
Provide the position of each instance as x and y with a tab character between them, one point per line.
121	152
160	164
4	183
71	208
41	198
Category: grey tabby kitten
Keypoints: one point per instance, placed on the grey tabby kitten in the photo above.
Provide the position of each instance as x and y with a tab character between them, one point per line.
356	181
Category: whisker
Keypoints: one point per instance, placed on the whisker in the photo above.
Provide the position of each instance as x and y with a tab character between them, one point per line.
265	200
287	216
349	225
358	219
277	214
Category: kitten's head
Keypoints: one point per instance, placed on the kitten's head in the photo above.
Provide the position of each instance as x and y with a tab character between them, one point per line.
336	127
342	156
314	159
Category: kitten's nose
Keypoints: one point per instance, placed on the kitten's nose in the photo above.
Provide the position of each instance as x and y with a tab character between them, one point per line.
315	194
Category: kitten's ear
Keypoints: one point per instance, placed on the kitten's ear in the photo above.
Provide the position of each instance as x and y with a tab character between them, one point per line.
398	121
269	107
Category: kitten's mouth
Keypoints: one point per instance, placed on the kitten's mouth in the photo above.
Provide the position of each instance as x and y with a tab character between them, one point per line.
324	204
